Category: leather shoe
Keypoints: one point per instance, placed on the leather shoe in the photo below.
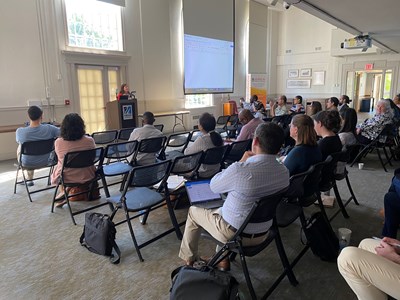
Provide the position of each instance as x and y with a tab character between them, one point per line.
224	265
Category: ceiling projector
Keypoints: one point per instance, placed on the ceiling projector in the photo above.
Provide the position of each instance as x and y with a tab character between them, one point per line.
359	42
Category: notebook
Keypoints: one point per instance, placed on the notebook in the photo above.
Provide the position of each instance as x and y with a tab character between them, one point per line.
200	194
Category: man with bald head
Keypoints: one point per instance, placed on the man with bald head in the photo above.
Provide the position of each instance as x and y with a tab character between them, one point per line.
250	124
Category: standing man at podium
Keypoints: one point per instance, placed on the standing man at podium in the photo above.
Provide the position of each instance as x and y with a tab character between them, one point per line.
147	131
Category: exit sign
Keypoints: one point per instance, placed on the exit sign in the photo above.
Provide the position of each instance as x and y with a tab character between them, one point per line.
369	67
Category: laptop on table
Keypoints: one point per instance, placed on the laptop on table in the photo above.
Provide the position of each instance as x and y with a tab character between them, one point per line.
200	194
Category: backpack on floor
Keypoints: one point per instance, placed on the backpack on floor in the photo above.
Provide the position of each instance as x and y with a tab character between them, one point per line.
205	283
99	236
321	237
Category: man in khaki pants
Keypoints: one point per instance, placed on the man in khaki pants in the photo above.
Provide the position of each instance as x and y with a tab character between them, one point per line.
258	174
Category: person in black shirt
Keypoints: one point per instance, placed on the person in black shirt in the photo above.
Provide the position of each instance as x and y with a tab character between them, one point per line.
326	123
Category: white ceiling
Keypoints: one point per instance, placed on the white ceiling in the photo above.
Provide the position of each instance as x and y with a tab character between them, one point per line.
379	18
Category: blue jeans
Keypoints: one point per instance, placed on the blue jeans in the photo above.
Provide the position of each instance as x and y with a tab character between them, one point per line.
392	213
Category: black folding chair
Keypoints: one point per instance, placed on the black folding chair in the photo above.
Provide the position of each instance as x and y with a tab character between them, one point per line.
222	123
105	137
159	127
194	134
124	134
139	197
119	165
83	159
232	126
176	141
42	151
212	156
148	146
263	210
235	151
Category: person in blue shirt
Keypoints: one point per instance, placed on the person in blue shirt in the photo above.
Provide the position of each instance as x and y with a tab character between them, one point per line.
306	151
36	131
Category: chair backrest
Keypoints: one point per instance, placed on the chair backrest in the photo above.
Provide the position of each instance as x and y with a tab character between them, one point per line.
38	147
222	121
311	183
236	150
178	139
185	164
120	150
159	127
149	175
296	184
263	210
151	145
233	120
83	158
214	155
194	134
125	133
328	170
105	137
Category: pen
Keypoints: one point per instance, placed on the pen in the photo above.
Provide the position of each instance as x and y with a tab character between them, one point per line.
391	244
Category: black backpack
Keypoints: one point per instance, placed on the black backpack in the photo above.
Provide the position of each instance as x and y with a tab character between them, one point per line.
99	236
321	237
205	283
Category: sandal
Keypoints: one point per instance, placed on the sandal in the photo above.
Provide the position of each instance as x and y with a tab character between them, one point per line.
61	204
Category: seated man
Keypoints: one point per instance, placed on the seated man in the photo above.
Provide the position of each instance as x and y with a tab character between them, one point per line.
279	108
256	175
373	269
147	131
250	123
392	210
36	131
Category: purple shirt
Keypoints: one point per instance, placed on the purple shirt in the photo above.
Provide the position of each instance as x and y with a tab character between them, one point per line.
247	131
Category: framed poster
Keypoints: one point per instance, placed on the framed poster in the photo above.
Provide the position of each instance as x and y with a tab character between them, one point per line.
293	73
298	84
305	73
318	78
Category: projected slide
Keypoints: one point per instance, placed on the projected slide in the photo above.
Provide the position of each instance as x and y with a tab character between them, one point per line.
208	65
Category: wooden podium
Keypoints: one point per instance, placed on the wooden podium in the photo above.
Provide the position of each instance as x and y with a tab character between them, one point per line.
228	109
122	114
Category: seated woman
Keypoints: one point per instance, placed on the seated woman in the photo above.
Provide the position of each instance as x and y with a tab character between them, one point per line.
207	140
370	128
348	130
306	151
373	269
316	107
297	106
325	124
72	138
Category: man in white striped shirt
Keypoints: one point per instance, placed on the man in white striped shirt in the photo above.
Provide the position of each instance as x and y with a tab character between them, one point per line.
258	174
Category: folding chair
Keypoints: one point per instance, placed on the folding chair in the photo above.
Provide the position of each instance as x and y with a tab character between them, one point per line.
139	197
378	143
119	152
124	134
41	151
159	127
79	160
233	125
212	156
179	141
105	137
235	151
222	123
194	134
150	146
263	210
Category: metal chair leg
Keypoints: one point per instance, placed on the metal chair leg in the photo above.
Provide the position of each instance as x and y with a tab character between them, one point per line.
133	235
351	190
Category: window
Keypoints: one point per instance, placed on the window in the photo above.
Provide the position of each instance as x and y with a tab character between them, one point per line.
199	100
94	24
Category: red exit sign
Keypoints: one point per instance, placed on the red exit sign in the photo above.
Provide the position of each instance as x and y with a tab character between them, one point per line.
369	67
